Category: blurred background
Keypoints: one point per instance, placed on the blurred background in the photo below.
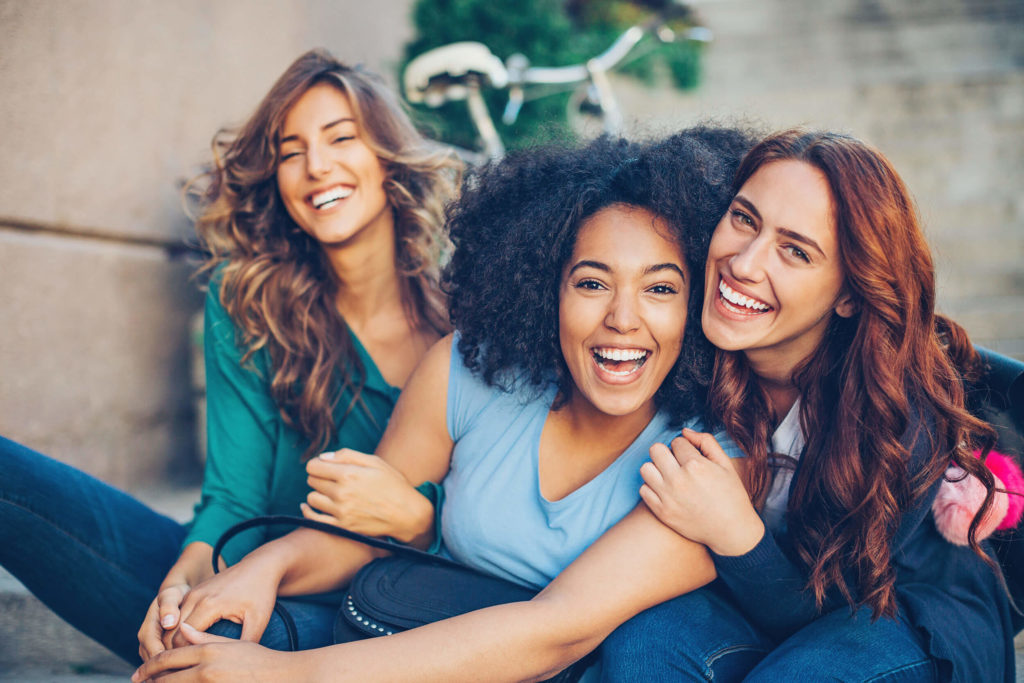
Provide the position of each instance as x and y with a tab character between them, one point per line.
108	107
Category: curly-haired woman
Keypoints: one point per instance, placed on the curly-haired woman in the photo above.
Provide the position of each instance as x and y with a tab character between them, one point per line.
835	376
577	347
323	218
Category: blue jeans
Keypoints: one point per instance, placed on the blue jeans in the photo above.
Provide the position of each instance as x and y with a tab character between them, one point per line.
92	554
96	556
702	636
313	621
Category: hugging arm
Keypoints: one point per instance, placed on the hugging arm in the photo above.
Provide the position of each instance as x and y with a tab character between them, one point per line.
306	561
637	564
768	586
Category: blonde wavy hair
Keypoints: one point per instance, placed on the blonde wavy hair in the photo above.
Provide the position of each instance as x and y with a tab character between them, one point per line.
274	280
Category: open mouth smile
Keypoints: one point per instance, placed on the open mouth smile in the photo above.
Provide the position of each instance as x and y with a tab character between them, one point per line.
620	362
740	303
330	197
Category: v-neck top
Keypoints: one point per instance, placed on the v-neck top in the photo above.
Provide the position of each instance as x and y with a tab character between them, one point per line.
494	517
254	459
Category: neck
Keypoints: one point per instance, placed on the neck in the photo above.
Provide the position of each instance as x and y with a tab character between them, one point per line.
588	425
369	284
777	383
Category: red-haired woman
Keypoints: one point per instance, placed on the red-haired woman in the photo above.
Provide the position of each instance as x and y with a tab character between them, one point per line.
820	295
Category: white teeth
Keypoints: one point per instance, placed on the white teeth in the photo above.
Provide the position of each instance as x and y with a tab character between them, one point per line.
737	299
620	354
332	195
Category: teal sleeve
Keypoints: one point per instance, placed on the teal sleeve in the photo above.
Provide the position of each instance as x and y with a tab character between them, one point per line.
241	436
435	494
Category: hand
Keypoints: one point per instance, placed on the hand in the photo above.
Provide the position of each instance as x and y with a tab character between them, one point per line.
161	619
244	593
695	489
362	493
212	658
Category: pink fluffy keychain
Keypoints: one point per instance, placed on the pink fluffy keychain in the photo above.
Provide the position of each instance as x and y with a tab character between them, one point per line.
958	500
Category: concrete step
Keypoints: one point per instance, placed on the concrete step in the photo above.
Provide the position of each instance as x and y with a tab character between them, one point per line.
36	645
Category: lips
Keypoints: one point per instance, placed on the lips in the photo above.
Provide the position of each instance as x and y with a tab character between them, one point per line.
325	199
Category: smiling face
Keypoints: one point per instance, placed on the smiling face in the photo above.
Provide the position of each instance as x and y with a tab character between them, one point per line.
331	182
622	310
774	277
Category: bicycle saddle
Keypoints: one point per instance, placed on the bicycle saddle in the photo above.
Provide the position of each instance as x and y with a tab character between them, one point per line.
442	74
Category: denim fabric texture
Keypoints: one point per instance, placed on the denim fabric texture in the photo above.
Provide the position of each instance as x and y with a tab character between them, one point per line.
314	625
92	554
703	636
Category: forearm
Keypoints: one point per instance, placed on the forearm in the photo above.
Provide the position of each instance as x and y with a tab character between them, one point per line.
769	588
308	561
518	641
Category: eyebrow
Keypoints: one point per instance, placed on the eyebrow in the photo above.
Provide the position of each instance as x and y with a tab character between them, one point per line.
791	234
325	127
604	267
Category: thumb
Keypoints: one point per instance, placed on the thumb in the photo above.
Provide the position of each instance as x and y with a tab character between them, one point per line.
708	447
197	637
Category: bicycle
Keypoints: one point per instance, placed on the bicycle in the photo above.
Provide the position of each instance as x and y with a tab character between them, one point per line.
461	71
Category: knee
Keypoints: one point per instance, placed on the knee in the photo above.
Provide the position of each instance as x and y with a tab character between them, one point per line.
698	636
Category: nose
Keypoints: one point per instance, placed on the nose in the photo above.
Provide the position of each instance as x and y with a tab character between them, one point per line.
623	314
318	162
748	262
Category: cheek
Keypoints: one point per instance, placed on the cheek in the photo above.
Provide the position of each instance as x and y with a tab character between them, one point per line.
669	327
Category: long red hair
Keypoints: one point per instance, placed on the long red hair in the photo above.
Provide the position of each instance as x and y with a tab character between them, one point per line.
892	367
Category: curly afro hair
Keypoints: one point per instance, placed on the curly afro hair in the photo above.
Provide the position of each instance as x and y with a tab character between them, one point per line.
515	227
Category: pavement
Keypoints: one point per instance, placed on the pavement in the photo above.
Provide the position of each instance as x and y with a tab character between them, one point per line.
36	646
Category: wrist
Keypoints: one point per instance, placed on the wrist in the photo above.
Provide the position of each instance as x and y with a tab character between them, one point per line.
741	539
419	524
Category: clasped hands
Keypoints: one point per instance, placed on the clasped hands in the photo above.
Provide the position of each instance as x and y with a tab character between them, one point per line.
357	491
696	489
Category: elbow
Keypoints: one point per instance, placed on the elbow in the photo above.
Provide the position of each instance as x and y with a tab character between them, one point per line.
564	655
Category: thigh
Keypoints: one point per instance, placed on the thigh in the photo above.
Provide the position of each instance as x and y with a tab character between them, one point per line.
848	647
91	553
313	624
700	636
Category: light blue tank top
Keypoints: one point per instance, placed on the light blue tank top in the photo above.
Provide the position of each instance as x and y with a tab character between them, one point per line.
494	516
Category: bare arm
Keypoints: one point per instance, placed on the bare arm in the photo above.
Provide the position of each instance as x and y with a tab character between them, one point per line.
637	564
416	443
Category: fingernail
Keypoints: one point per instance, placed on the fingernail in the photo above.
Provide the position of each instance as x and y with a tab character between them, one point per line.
167	621
188	627
328	455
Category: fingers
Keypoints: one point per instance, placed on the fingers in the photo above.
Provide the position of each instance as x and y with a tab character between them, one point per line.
651	498
166	661
150	634
708	447
328	464
168	602
309	513
196	637
322	503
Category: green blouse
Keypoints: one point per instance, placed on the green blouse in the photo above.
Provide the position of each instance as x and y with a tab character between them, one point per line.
254	460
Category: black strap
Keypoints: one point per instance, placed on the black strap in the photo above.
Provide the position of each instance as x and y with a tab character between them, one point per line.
290	520
273	520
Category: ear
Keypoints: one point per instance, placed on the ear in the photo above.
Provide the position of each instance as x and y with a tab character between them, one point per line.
845	306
